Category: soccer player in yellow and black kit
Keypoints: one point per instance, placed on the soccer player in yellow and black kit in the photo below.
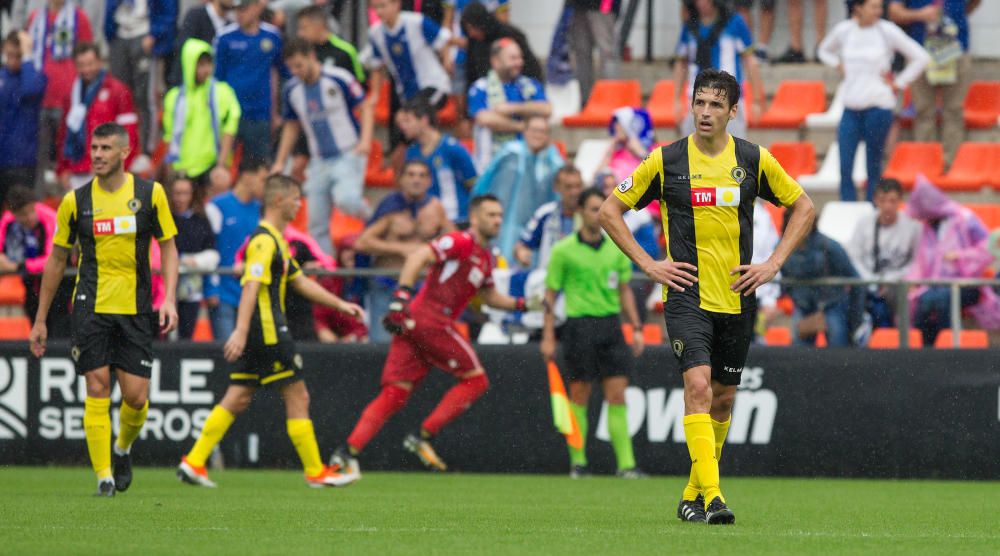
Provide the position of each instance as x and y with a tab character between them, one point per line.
261	345
706	184
113	219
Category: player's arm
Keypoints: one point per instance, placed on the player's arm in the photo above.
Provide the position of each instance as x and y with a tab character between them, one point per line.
169	263
398	320
237	341
523	254
666	272
532	108
315	293
372	240
289	135
55	267
497	300
548	345
498	122
632	316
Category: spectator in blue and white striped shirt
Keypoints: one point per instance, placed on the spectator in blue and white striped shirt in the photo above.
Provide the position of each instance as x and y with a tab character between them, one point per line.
320	102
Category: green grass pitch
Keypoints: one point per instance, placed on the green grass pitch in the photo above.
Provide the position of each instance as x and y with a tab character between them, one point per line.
51	511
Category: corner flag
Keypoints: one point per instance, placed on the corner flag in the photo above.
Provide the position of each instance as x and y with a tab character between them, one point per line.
562	417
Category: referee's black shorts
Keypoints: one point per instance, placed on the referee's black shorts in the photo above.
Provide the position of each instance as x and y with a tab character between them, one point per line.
267	365
122	341
594	348
699	337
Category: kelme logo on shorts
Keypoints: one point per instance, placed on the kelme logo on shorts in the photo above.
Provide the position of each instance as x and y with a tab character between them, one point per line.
678	347
13	398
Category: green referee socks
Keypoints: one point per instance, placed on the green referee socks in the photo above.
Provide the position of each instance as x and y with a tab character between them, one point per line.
579	456
620	439
97	429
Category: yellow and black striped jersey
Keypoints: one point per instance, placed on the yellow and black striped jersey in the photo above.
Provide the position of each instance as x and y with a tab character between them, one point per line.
707	210
114	230
269	261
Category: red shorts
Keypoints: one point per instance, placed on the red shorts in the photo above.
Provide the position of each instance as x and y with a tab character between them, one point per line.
413	354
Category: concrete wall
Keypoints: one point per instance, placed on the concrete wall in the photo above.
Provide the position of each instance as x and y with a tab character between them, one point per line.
537	18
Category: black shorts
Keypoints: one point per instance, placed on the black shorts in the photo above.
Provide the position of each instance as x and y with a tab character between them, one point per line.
699	337
264	365
594	348
122	341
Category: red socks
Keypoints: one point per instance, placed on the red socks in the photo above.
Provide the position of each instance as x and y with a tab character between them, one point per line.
391	399
455	402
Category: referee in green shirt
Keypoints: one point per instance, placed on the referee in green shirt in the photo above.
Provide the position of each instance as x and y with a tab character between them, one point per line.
594	275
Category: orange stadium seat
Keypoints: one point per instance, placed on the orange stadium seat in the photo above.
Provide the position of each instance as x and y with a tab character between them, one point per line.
607	96
382	104
301	221
463	329
652	334
974	167
888	338
967	339
11	290
796	158
793	101
989	213
777	215
448	115
982	105
14	328
561	147
912	158
778	336
343	225
662	104
376	175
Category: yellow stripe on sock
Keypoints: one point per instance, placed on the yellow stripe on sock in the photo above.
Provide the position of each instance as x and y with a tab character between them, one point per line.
97	429
304	439
215	428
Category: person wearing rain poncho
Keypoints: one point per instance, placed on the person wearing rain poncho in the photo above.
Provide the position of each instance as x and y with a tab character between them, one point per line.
200	119
953	244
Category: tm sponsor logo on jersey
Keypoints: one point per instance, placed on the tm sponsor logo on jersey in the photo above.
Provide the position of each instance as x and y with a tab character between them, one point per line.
119	225
715	196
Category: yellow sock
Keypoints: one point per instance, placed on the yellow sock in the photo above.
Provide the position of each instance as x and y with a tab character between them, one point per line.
97	428
721	429
130	422
304	439
215	428
701	447
693	488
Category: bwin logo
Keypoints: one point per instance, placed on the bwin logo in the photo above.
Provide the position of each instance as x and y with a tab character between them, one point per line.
13	398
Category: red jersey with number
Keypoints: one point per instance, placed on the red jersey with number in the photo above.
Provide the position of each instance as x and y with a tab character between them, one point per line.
462	268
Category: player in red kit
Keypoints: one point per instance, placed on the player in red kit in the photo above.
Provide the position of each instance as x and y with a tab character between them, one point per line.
425	335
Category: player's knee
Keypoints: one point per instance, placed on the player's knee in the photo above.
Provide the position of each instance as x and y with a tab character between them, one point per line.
135	400
723	402
480	383
698	395
98	387
396	396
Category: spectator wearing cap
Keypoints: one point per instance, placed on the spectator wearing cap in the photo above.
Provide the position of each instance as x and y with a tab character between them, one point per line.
501	102
22	86
248	58
26	232
203	22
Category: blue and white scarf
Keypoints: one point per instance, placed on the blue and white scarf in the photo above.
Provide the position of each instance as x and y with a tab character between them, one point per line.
636	123
180	113
75	146
60	42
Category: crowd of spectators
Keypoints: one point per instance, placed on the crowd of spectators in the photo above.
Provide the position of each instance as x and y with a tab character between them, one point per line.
232	90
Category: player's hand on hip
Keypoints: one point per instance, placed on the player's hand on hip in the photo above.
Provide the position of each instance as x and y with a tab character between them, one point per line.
675	275
548	348
168	317
638	343
39	334
235	345
753	276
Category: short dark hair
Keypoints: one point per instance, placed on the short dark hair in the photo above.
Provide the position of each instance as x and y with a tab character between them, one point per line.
889	185
478	200
420	108
13	38
19	197
251	165
414	162
111	129
478	16
315	13
588	193
567	169
720	82
84	47
278	184
296	46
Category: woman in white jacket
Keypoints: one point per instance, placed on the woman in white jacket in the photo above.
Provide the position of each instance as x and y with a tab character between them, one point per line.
862	48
